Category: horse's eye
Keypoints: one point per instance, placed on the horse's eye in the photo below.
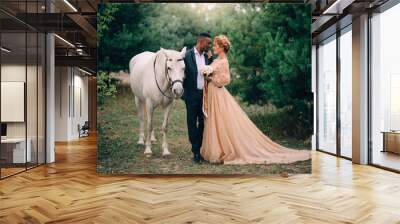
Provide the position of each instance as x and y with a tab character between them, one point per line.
169	68
169	59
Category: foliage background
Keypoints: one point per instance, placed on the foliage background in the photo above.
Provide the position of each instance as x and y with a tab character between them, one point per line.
270	58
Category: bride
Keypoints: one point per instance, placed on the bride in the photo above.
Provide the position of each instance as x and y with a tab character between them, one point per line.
230	137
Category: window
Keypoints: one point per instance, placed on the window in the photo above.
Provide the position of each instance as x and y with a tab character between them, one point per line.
346	92
22	80
385	88
327	95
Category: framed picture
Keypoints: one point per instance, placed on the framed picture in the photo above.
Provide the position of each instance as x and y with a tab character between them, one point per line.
204	88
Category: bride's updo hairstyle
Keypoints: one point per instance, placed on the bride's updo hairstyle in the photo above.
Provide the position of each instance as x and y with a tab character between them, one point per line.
223	42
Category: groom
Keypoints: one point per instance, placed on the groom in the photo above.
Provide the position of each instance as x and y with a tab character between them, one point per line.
195	59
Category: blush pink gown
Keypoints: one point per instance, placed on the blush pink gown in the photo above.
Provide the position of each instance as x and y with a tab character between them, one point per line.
229	135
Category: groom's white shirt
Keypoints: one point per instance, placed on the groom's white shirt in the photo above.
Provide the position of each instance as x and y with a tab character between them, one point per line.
200	63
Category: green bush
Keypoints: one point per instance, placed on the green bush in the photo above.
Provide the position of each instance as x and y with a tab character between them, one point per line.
106	87
285	123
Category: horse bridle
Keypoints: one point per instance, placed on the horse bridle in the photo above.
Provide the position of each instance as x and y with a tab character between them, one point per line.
170	81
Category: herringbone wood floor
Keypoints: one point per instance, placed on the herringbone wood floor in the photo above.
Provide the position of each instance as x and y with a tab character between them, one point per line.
70	191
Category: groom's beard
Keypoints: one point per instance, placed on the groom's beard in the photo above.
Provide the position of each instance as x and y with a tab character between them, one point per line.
203	51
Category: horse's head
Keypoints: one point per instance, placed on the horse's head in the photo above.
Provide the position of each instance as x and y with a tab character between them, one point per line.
175	68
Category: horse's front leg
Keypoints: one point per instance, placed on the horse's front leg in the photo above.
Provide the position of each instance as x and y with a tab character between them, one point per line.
153	136
149	116
164	130
141	108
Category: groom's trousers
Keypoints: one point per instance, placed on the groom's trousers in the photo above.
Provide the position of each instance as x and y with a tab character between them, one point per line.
195	120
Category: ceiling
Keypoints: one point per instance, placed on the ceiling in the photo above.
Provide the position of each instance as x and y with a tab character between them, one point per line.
74	22
329	15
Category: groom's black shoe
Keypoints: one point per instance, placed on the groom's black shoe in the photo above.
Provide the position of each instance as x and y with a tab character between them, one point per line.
197	158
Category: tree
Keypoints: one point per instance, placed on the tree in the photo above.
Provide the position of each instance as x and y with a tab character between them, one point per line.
120	33
270	57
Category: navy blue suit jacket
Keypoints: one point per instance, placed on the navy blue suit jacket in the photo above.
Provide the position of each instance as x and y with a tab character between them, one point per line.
190	82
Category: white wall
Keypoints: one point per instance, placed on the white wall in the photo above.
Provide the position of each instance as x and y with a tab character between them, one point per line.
62	81
17	72
14	72
33	126
70	83
80	88
9	73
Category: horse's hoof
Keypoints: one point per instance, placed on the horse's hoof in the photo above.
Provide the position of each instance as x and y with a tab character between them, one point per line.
148	155
166	156
140	141
153	140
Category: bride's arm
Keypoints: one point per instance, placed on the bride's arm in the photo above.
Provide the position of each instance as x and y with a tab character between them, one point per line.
222	77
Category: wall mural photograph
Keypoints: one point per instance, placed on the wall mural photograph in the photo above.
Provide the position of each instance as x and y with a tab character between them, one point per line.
202	88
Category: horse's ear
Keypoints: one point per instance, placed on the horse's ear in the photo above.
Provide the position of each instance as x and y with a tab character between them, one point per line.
183	52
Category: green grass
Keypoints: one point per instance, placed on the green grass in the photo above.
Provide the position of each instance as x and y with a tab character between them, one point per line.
118	153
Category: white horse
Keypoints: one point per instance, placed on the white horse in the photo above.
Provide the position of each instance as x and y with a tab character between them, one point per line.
156	79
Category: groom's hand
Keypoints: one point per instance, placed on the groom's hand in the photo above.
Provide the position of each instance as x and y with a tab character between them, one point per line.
209	54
